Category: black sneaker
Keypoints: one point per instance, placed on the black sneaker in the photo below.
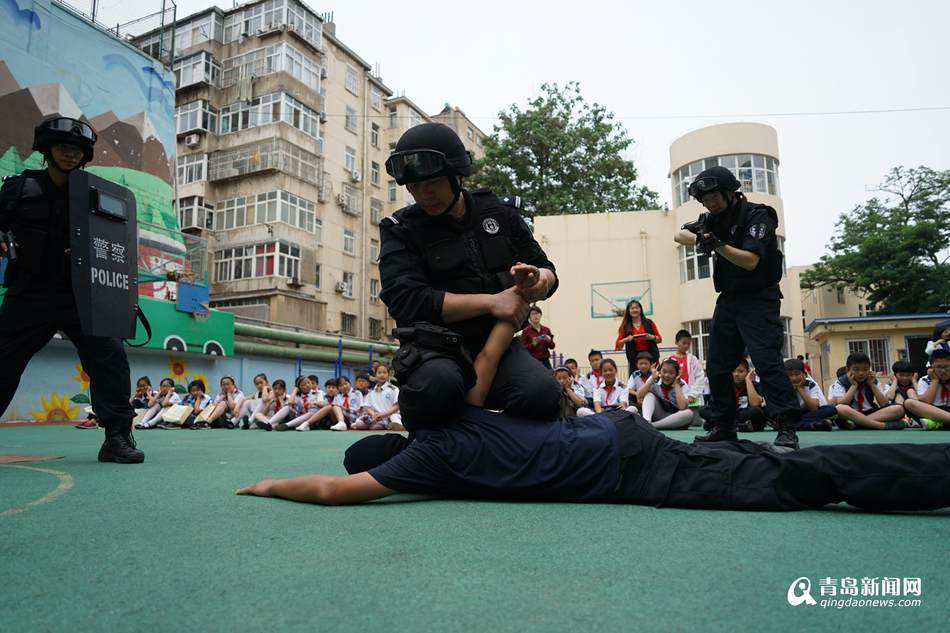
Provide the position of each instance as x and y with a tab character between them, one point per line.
745	427
246	424
120	447
265	426
718	434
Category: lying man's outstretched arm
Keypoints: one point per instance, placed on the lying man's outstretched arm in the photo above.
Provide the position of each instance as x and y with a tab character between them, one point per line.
323	489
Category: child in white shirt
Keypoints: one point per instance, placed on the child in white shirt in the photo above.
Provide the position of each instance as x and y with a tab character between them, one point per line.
346	405
381	405
166	397
691	370
612	393
664	400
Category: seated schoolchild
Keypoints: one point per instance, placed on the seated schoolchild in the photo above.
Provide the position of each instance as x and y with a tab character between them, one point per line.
663	398
273	402
573	397
638	377
612	393
164	398
857	397
346	405
817	414
750	405
932	405
142	399
227	405
903	387
198	400
255	402
380	405
691	369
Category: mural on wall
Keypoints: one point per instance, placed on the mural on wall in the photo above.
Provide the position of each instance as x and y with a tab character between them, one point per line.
54	62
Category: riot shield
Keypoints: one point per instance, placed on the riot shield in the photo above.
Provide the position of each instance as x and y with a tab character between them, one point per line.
103	239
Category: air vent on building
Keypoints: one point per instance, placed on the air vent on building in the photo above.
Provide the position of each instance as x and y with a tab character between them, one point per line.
340	287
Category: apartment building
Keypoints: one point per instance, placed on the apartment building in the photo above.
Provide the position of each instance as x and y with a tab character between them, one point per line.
283	133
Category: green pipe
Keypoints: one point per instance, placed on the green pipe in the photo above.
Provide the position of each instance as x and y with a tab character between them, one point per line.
327	356
322	340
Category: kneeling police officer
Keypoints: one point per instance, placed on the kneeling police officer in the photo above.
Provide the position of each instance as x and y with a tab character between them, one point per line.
451	262
39	301
740	236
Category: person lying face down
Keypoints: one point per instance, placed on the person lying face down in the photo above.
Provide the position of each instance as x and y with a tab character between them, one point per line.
616	457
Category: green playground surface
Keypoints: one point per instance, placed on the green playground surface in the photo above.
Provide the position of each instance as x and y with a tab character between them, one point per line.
166	546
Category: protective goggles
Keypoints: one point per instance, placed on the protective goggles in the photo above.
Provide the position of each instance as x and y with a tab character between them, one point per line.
71	126
416	165
703	185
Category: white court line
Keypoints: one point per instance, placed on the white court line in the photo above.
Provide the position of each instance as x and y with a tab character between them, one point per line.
65	484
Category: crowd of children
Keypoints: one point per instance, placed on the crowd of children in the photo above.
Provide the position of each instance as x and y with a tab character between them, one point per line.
673	393
369	404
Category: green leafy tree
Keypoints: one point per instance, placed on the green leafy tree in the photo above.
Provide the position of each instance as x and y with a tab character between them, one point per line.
563	155
894	250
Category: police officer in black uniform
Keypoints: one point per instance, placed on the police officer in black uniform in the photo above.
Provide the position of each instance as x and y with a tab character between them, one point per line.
748	267
448	260
39	301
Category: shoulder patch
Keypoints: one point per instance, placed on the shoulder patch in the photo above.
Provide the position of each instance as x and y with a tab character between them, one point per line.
511	201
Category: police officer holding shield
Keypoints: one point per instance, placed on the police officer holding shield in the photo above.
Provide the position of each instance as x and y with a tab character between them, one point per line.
458	261
740	236
39	301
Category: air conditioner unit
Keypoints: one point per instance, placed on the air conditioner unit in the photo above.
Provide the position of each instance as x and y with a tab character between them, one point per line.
294	281
340	287
323	72
193	140
356	176
323	117
343	200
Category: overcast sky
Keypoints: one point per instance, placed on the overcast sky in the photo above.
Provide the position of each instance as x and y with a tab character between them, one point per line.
672	59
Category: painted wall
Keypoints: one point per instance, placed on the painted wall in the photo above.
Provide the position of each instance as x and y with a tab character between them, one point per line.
54	387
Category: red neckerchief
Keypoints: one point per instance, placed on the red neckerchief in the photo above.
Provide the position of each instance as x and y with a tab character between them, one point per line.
740	391
665	390
944	392
609	390
346	400
860	397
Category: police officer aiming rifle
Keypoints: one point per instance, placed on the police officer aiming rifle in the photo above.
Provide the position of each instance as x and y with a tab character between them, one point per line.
458	261
740	236
34	207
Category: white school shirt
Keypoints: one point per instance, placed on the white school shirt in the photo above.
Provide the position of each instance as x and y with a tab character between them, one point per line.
836	391
612	396
578	389
814	391
237	397
942	397
591	384
355	402
149	394
205	401
636	381
310	402
175	399
382	398
670	397
274	405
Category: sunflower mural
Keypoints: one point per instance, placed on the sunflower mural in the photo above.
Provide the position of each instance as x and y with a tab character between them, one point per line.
178	371
83	379
56	409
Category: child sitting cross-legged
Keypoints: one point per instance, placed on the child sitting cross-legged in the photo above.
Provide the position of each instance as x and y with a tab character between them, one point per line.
346	405
817	414
903	387
573	397
612	393
274	403
857	397
381	405
166	397
663	398
638	377
932	404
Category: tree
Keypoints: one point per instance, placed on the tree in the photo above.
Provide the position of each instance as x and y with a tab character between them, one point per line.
894	250
562	155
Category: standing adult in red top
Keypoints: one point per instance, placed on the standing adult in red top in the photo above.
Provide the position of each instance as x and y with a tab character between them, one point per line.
538	338
637	334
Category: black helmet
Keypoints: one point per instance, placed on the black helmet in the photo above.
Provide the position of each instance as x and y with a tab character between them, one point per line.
713	179
66	131
427	151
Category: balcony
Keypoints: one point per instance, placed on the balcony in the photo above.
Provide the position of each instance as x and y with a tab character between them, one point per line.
271	155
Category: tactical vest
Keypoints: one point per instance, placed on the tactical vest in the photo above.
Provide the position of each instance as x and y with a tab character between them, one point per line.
473	256
41	230
727	277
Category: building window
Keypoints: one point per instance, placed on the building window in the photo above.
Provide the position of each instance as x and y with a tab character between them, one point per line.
374	290
694	265
193	213
267	207
787	337
349	242
470	133
780	242
376	99
348	324
192	168
233	213
349	159
277	107
861	310
374	172
196	115
757	173
352	80
271	154
198	68
350	123
258	260
374	250
478	140
393	118
414	118
878	349
318	231
699	330
391	185
348	283
316	282
375	329
280	57
375	211
374	135
840	293
322	142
